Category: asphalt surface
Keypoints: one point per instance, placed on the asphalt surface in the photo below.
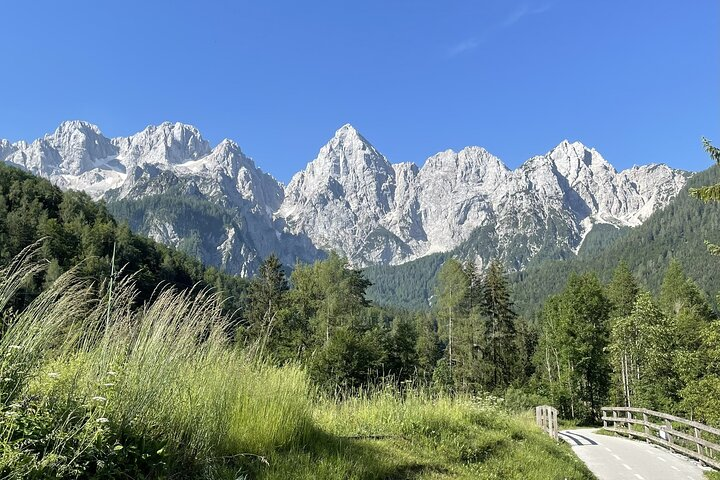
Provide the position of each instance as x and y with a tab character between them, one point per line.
617	458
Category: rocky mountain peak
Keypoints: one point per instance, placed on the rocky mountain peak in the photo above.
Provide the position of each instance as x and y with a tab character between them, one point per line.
229	157
77	145
571	158
349	200
70	127
167	143
471	164
348	153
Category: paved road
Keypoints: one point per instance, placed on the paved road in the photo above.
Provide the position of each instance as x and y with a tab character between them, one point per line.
617	458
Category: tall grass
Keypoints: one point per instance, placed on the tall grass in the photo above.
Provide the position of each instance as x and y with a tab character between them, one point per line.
165	374
93	385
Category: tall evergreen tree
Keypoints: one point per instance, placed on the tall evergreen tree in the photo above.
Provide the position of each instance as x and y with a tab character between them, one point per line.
682	300
622	291
428	346
499	325
266	295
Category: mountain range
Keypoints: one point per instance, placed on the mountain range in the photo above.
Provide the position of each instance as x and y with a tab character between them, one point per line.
216	203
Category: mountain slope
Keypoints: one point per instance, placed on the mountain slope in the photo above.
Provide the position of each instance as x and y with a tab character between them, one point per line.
73	231
676	231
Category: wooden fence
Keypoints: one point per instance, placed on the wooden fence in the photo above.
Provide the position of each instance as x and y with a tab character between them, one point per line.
684	436
547	418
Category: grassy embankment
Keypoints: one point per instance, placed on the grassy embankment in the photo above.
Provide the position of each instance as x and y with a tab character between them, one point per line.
93	388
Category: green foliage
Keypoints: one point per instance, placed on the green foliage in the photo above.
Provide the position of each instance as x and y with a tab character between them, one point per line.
642	344
77	231
675	232
622	291
571	357
500	333
485	345
160	392
601	237
711	192
701	395
146	393
410	285
265	296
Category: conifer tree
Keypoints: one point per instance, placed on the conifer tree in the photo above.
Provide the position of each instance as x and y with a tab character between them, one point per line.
428	346
710	192
266	295
499	325
622	291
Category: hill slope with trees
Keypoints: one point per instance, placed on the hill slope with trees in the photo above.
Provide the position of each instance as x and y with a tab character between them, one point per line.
75	231
677	231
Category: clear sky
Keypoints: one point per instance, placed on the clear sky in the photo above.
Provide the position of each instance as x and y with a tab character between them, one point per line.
638	80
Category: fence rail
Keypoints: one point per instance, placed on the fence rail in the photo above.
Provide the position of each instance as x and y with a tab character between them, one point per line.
684	436
547	418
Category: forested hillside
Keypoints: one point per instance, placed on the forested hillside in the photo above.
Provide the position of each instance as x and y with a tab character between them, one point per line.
677	231
195	225
76	231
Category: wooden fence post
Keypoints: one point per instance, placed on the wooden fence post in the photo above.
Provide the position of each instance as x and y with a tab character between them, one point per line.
645	427
614	418
668	426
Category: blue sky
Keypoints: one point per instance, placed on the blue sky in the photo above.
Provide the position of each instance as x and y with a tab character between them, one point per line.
638	80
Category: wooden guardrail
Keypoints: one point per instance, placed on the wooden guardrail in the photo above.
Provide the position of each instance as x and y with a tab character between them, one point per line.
684	436
547	418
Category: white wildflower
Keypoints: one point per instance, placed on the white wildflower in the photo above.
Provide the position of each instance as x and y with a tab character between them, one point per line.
15	347
100	399
102	420
108	384
112	373
54	375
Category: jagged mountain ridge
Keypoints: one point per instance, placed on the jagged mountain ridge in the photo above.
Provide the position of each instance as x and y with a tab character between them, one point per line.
175	161
350	198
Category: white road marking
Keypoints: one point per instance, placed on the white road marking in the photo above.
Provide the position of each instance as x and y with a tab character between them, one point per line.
616	457
661	459
674	467
608	449
639	476
627	466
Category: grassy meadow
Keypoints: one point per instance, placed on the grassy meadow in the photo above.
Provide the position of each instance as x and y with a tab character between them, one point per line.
93	385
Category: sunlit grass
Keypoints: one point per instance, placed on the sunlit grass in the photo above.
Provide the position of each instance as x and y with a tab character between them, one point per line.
94	387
